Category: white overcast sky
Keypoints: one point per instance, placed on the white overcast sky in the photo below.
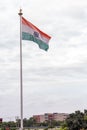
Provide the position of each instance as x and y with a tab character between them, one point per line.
53	81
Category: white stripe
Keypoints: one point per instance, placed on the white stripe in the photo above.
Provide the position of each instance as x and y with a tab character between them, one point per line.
29	30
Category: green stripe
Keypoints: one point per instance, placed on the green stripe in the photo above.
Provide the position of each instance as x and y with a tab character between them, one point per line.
42	45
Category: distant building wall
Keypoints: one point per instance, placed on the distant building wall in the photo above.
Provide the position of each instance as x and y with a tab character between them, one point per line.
42	118
50	117
60	116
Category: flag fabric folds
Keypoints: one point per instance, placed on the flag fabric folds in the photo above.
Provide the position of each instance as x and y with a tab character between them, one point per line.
32	33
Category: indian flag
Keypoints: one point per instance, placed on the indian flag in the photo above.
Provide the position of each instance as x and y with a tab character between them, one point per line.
32	33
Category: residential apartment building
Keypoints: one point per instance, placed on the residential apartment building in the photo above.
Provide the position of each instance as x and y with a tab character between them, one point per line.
60	116
50	117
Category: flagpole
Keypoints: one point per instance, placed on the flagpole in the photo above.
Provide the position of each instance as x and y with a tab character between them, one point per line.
21	79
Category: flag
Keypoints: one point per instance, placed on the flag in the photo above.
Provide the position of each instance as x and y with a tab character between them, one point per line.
32	33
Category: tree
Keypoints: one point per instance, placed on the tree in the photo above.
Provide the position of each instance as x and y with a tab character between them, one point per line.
85	119
75	120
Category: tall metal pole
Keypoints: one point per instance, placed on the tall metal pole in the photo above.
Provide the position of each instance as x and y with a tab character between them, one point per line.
21	79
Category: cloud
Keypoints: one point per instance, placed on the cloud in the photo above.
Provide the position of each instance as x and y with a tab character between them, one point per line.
53	80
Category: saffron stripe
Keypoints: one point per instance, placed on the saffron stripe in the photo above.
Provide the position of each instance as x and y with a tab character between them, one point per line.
27	23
